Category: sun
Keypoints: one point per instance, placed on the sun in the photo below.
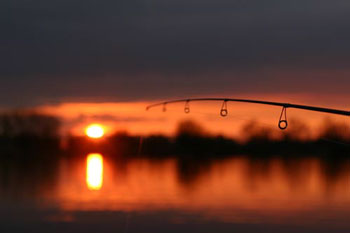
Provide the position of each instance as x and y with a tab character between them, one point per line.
95	131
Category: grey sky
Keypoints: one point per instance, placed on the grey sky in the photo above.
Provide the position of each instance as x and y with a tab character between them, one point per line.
59	50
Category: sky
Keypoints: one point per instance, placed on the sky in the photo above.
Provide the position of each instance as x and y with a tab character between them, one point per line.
73	51
97	51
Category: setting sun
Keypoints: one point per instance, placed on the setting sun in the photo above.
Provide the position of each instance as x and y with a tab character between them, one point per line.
95	131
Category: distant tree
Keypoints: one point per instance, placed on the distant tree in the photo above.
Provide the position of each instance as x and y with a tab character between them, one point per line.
296	131
335	130
190	128
17	124
253	131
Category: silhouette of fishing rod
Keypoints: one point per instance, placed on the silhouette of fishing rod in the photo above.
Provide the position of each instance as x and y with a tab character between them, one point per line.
282	123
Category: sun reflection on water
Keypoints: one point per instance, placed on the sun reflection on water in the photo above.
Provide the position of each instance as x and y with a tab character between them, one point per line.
94	171
236	189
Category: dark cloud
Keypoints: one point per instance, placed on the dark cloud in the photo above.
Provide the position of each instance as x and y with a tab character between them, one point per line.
131	50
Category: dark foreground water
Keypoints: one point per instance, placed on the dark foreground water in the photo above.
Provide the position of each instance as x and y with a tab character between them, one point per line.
94	193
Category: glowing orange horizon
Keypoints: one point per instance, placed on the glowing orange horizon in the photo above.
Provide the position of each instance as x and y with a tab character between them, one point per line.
132	117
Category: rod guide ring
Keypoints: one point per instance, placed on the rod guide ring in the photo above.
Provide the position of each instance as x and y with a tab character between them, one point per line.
282	124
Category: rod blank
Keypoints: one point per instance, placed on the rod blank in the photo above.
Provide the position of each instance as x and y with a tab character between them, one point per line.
284	105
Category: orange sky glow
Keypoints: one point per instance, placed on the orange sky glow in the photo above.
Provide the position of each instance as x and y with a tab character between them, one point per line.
133	118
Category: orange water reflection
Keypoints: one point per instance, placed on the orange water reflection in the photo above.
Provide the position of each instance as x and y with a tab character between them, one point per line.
236	189
94	171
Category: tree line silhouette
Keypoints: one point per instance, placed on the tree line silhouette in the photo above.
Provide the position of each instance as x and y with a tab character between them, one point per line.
34	132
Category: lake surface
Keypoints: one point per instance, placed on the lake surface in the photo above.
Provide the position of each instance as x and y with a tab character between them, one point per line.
98	193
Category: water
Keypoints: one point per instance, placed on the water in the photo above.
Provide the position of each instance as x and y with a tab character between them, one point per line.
98	193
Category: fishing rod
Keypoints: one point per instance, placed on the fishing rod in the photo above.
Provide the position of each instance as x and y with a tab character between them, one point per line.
282	123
